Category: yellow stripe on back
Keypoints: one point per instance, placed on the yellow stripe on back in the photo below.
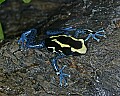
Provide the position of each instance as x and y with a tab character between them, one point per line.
66	36
80	51
62	45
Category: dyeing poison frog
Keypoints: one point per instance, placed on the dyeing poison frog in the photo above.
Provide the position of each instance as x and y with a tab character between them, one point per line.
61	43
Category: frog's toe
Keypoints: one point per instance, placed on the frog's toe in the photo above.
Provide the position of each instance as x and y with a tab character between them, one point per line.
63	77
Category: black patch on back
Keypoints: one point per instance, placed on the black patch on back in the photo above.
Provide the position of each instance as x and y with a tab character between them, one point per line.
66	50
58	48
64	40
50	43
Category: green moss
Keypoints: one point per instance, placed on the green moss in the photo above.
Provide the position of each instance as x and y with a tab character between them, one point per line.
1	1
1	33
26	1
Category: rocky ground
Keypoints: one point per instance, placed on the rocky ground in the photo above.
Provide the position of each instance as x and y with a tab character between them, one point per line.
29	73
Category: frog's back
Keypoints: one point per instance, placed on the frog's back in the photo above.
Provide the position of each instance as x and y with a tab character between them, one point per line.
65	44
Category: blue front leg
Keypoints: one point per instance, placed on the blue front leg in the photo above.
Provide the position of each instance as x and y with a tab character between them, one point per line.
52	32
79	31
58	71
94	35
60	31
68	29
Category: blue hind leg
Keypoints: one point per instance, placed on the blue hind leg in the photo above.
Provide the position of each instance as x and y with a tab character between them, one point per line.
27	40
58	71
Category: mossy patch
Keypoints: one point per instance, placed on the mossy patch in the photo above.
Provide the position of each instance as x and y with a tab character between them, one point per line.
1	1
1	33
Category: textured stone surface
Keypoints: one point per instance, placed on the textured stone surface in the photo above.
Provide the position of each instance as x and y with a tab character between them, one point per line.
97	73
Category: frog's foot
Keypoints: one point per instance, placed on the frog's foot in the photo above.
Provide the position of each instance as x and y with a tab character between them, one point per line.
99	33
22	41
62	76
27	38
